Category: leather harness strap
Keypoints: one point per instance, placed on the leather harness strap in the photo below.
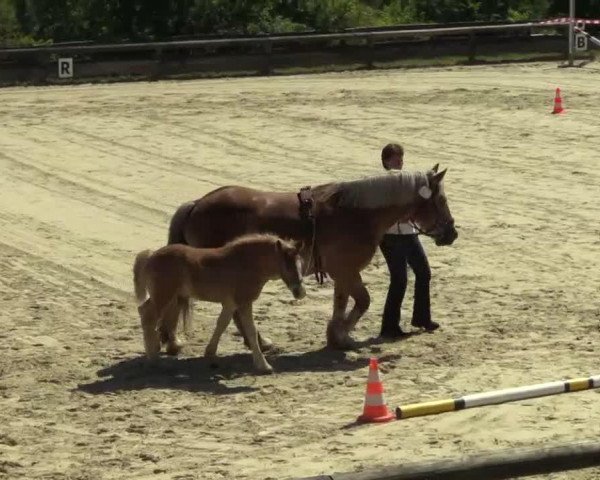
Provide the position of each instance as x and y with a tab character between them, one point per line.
305	198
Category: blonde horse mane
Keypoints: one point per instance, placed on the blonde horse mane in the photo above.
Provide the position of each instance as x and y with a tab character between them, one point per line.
257	238
396	189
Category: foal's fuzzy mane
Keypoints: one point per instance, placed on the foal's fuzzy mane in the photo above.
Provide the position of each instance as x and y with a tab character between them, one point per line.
396	189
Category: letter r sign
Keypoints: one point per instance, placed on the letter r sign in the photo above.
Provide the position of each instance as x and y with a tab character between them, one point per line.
65	67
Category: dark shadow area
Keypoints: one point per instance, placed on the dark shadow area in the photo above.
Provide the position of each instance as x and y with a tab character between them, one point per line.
405	336
192	374
198	374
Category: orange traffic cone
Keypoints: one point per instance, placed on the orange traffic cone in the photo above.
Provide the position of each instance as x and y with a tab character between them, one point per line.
375	408
558	108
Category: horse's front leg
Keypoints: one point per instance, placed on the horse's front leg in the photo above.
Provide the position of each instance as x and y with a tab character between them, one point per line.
222	322
265	343
260	362
335	327
362	301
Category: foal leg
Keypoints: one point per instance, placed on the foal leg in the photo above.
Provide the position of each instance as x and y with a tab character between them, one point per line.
168	328
335	326
265	343
260	362
222	322
149	320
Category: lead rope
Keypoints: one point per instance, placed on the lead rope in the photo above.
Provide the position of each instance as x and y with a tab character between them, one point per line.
307	205
312	247
319	275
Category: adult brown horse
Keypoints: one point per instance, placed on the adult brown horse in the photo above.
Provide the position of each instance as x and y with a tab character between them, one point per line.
341	223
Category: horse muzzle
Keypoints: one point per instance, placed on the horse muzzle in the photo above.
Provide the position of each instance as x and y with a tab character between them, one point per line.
447	236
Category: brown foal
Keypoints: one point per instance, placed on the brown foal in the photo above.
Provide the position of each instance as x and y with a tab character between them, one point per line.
233	275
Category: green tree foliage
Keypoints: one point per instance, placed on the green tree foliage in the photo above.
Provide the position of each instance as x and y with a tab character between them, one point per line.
143	20
9	25
528	9
583	8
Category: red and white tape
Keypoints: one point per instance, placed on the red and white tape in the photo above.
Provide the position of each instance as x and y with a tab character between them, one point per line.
565	20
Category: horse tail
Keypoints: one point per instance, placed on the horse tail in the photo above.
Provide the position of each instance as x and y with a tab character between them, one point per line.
185	308
139	274
177	224
177	235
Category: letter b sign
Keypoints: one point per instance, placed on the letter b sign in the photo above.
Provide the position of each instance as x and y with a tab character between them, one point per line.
580	42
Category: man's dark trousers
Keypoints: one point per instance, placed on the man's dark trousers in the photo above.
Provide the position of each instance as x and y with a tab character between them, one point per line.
399	252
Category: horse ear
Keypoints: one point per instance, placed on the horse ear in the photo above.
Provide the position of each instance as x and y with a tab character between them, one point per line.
435	167
438	177
279	246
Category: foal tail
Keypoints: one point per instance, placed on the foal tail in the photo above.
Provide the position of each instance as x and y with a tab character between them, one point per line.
139	274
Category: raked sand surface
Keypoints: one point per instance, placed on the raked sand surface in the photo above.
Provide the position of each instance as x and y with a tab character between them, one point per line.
91	174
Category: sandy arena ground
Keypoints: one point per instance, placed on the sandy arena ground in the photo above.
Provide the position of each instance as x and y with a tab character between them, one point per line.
91	175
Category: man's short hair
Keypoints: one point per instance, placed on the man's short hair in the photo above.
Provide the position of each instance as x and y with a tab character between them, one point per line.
389	151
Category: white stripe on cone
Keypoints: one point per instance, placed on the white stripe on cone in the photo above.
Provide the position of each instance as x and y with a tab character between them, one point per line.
374	399
373	376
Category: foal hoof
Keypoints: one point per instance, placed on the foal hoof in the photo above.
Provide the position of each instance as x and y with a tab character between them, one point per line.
264	370
151	360
265	344
174	349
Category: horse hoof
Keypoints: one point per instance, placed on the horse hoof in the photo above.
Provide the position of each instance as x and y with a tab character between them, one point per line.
345	343
152	348
267	370
174	349
266	344
210	352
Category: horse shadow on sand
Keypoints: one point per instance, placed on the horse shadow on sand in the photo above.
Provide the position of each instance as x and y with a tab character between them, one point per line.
197	374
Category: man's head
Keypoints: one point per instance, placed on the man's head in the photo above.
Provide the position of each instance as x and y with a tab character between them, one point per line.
392	156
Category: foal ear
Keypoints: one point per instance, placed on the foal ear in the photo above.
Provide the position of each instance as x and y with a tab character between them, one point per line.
435	167
279	246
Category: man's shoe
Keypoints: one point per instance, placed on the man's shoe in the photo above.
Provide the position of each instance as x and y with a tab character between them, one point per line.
392	334
429	326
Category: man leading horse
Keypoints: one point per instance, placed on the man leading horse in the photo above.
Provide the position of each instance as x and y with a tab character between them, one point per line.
341	225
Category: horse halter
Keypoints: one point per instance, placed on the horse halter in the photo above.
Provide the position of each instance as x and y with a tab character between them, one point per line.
438	226
430	233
